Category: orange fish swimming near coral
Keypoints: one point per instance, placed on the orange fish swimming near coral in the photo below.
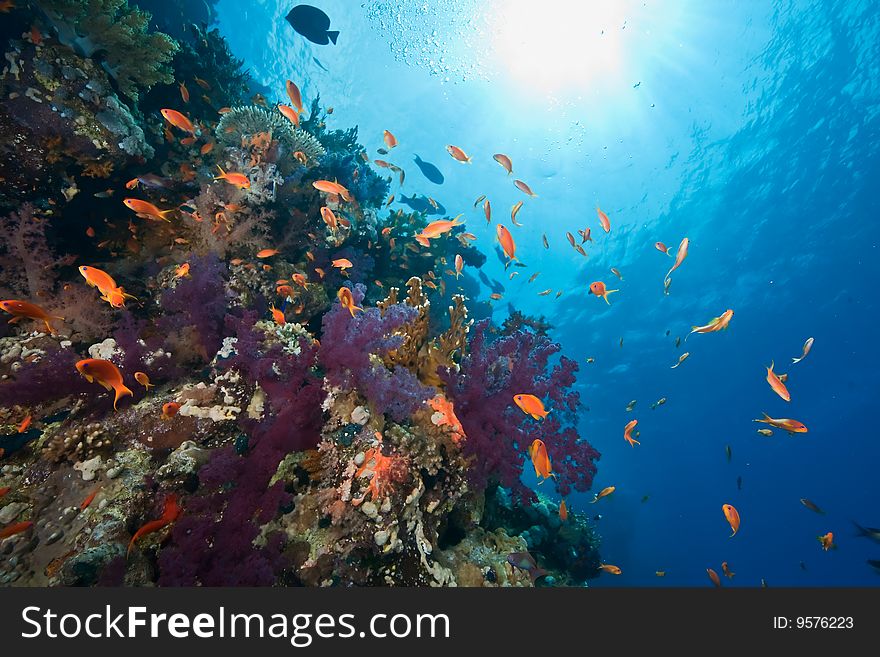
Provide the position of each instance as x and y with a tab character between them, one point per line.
627	433
112	293
531	405
437	228
732	516
170	513
598	288
144	380
294	94
146	210
178	120
776	384
15	528
459	265
234	178
346	300
290	114
541	460
791	426
105	373
332	188
169	410
342	263
278	316
563	511
610	569
267	253
715	324
27	310
389	139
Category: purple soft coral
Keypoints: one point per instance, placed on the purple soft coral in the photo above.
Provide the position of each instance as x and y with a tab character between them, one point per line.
498	433
213	543
347	344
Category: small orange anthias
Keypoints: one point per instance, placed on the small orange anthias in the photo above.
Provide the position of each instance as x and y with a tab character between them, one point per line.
598	288
107	374
827	541
170	513
26	310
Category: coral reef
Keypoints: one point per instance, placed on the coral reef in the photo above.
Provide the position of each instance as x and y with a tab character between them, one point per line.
312	391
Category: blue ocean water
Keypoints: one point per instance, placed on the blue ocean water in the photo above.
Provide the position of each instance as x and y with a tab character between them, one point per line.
750	128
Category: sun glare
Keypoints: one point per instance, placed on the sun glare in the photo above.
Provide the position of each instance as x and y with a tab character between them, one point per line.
553	44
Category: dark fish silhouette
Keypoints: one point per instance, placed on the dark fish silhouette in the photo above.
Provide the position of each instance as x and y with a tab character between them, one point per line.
422	204
318	62
739	483
868	532
429	171
875	564
313	24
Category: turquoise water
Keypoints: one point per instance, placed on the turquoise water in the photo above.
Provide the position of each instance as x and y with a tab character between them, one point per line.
751	129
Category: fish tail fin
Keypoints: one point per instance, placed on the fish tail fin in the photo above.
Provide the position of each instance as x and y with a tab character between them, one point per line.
536	573
333	36
222	173
162	214
121	391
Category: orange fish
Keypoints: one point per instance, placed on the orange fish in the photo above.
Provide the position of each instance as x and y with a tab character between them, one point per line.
267	253
627	433
25	423
506	241
169	410
531	405
598	288
342	263
346	299
178	120
144	380
105	373
290	114
294	94
207	148
4	491
89	499
390	140
719	323
563	511
146	210
202	83
320	272
184	92
495	296
603	219
284	291
278	316
458	154
524	188
27	310
436	229
541	460
301	157
726	570
616	272
679	257
233	178
328	217
662	248
170	513
776	384
459	264
585	235
807	346
827	541
732	516
112	293
300	280
608	568
714	577
15	528
182	271
504	161
332	188
791	426
605	492
90	232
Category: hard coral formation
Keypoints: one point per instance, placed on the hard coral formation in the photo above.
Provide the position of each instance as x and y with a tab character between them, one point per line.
307	443
134	56
240	125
